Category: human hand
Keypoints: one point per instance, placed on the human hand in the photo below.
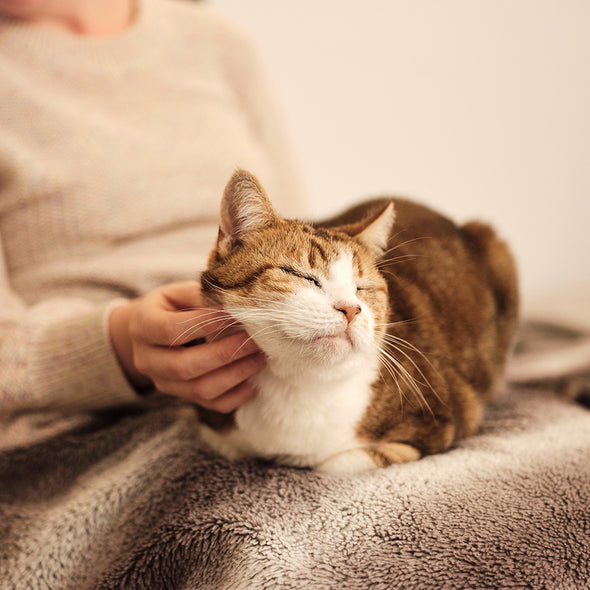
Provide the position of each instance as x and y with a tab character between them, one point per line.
150	335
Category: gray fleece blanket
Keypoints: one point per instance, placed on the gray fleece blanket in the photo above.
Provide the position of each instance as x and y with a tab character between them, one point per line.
136	502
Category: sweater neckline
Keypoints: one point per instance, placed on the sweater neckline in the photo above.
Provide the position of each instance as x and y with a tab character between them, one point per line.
19	37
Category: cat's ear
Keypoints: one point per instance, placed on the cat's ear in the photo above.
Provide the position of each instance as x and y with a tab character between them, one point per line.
244	208
376	235
374	230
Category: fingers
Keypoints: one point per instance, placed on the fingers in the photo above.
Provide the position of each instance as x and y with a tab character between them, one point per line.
160	323
162	327
222	390
185	364
182	327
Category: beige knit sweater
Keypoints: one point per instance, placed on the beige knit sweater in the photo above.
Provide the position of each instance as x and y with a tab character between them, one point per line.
113	156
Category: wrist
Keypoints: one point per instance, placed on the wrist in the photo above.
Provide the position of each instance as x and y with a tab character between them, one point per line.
123	347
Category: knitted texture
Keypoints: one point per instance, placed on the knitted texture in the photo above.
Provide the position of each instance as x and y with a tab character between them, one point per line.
114	152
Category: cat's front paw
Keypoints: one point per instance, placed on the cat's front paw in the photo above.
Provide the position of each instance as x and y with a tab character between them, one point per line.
354	461
222	444
368	458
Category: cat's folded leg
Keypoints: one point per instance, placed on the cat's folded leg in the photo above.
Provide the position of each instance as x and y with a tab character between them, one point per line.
369	457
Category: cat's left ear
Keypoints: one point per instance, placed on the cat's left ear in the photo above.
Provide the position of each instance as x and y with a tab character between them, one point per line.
244	208
374	231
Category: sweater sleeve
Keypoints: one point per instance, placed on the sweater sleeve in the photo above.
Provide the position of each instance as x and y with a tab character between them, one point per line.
57	355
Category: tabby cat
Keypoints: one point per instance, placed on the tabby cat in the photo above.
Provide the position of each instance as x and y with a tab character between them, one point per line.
386	330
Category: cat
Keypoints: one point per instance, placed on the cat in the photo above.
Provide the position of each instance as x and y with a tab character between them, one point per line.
386	329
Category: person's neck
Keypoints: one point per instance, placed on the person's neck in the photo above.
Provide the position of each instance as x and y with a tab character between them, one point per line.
91	18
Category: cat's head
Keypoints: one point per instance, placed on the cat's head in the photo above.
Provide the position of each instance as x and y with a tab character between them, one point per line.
310	297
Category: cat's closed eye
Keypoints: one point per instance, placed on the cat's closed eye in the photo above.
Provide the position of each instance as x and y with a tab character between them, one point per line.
369	288
300	275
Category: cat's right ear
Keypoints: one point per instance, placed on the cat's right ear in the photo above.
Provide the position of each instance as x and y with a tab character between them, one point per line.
375	234
244	208
373	231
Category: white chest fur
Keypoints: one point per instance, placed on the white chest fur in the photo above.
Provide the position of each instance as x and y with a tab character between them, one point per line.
302	422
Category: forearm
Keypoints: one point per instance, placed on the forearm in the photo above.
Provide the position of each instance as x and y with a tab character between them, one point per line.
58	356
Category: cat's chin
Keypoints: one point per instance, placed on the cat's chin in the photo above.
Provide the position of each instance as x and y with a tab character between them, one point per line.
325	358
328	349
336	343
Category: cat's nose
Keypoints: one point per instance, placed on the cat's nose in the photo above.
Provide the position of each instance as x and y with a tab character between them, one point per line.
350	310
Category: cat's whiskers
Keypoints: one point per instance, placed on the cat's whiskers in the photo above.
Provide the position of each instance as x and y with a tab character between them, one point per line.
396	342
210	311
405	322
392	338
396	260
251	337
279	322
212	286
386	364
211	318
411	381
200	327
272	319
404	243
386	260
256	314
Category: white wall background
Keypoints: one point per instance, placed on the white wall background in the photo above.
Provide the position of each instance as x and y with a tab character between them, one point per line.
480	108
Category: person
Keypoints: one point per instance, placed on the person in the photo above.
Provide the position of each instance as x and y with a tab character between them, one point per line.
120	123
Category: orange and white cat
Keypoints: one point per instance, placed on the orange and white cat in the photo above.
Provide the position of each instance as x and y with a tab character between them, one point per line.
386	329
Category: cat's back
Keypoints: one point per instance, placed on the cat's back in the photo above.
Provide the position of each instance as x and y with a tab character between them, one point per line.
466	269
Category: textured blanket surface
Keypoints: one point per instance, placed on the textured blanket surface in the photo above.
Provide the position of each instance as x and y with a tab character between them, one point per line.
136	502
